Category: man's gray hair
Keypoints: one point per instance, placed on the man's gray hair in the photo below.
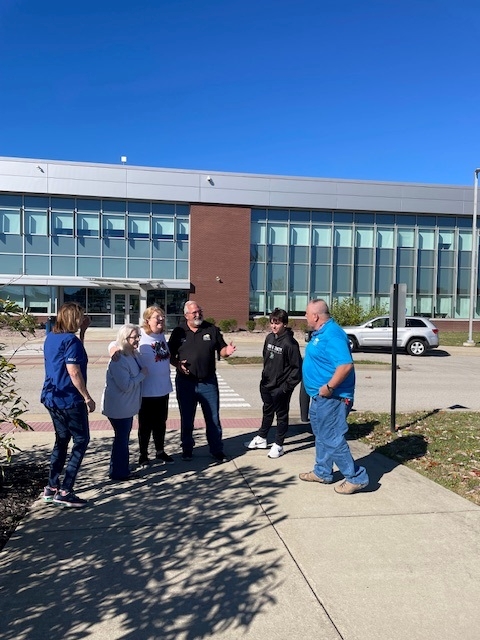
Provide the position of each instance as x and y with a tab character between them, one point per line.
189	303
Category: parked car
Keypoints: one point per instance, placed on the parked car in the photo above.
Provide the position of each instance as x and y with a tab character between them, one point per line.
416	337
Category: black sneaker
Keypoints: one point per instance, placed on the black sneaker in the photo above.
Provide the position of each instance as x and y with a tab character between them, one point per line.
49	494
143	462
164	457
186	457
69	500
219	457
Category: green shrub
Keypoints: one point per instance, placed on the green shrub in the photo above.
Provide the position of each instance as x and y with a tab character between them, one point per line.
250	324
233	324
263	322
225	326
349	312
211	320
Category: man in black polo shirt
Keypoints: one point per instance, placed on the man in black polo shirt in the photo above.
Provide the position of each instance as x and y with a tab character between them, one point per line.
193	352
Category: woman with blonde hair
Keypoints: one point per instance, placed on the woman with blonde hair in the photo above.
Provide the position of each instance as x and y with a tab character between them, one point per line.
122	397
68	401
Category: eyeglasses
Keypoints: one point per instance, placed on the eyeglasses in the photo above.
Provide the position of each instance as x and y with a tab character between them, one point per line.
198	312
158	318
134	337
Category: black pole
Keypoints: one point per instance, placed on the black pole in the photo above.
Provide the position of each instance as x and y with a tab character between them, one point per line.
394	316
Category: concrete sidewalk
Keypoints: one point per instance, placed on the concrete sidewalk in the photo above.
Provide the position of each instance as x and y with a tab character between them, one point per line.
243	550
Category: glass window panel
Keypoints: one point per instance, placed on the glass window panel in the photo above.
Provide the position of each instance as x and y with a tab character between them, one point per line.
88	246
364	218
15	201
113	226
138	248
257	253
322	236
62	224
363	256
320	278
384	257
298	277
342	279
447	221
163	269
182	209
406	220
278	234
36	202
426	258
258	233
321	255
75	294
114	206
405	257
258	215
39	299
139	207
181	250
364	238
182	269
99	300
114	268
445	281
277	253
138	227
64	246
427	221
63	204
257	302
363	279
138	269
299	215
63	266
343	216
89	267
162	228
383	280
406	238
446	239
446	258
276	301
464	223
385	218
12	244
343	237
114	248
365	302
257	277
462	308
406	275
385	238
163	208
88	224
13	293
182	225
425	283
37	265
9	221
163	249
299	235
322	216
426	239
35	223
277	277
425	305
464	259
445	306
299	254
278	214
37	244
465	241
298	302
463	286
342	255
10	264
88	205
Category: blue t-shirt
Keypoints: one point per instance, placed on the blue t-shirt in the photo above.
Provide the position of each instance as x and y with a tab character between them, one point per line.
327	349
60	349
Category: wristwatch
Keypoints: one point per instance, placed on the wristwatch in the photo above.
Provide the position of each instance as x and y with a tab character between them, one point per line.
331	389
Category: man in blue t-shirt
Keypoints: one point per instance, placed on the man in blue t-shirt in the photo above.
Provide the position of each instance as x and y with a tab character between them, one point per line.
329	379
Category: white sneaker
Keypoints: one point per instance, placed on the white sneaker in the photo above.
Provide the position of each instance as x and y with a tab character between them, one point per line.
256	443
276	451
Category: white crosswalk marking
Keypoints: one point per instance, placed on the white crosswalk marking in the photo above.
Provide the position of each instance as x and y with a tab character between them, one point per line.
228	397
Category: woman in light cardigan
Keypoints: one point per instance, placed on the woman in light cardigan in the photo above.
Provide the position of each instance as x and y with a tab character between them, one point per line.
122	397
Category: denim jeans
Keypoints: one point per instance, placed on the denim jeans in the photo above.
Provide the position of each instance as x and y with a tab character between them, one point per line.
152	420
328	417
276	402
190	392
120	457
71	423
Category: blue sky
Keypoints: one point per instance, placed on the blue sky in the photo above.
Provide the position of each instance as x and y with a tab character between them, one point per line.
365	89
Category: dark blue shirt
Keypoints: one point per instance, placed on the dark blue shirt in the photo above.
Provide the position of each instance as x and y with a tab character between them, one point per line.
59	350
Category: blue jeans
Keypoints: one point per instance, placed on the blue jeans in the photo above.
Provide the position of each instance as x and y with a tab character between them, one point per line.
68	423
190	392
120	457
328	417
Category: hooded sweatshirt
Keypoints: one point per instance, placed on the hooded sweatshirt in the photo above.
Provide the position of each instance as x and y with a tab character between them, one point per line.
282	362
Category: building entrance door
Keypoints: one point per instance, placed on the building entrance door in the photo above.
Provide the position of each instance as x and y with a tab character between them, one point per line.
126	308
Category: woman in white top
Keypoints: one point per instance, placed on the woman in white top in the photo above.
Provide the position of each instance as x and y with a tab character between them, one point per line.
122	397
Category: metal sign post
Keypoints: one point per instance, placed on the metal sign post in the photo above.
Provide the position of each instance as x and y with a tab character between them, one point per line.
398	301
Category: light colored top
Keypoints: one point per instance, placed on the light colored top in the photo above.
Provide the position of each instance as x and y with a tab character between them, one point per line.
123	387
155	355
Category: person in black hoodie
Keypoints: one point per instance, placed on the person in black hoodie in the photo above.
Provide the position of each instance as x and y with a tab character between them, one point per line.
282	371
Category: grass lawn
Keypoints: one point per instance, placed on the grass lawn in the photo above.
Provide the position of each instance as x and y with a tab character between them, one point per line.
442	445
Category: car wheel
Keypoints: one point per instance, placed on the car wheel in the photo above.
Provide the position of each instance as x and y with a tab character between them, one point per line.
352	343
416	347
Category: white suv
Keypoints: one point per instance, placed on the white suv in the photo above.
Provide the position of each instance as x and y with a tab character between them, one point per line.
416	337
